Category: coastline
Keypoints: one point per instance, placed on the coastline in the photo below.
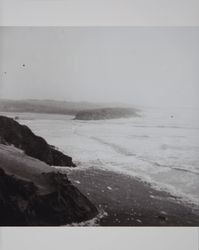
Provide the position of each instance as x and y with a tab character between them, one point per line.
128	201
123	200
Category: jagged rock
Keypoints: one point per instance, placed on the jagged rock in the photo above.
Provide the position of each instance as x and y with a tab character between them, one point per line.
13	133
23	203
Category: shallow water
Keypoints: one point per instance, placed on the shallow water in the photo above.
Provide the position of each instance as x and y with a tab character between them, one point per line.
161	146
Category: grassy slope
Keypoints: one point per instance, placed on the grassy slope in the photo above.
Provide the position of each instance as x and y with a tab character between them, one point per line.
16	163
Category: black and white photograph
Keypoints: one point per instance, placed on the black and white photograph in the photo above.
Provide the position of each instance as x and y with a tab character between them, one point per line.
99	126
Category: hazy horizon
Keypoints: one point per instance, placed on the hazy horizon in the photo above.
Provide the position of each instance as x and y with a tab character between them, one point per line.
141	66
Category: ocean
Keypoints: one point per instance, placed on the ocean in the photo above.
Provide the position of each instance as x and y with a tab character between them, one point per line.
160	147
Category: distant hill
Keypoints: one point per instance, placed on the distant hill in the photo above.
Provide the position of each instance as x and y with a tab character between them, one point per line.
51	106
106	113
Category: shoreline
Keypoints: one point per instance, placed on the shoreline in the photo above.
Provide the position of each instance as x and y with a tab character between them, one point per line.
128	201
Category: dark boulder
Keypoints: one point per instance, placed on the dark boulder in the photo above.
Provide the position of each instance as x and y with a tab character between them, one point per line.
22	203
13	133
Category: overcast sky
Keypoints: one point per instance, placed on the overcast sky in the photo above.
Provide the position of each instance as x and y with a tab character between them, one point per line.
142	66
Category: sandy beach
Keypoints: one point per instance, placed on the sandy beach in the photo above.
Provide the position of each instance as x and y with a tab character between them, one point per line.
128	201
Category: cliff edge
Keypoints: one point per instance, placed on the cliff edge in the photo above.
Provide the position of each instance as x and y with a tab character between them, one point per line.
33	193
13	133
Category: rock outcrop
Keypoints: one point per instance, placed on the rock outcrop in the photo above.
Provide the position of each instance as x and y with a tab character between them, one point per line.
106	113
33	193
58	202
13	133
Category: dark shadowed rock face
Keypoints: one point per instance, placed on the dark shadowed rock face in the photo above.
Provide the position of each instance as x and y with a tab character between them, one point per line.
12	133
106	113
23	203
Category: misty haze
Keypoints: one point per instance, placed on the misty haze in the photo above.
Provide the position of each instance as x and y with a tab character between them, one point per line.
99	126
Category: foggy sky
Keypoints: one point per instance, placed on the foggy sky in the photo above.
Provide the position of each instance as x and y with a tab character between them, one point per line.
142	66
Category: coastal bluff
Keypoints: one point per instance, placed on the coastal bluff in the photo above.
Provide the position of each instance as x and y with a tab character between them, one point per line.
33	193
13	133
106	113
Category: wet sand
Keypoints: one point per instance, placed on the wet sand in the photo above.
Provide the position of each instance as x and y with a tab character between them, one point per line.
127	201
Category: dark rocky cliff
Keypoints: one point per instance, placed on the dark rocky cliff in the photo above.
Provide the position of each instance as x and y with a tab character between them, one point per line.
23	203
32	193
12	133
